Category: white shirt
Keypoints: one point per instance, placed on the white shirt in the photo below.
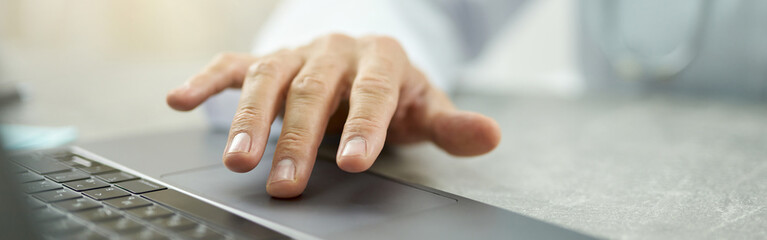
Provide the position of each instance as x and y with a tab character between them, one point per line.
442	37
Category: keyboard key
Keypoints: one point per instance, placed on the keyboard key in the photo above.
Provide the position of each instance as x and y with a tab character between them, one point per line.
46	214
140	186
42	164
62	226
212	214
68	176
116	177
150	212
99	214
40	186
203	233
15	168
61	155
175	222
97	169
34	203
146	234
106	193
28	177
127	202
57	195
75	205
84	235
86	184
77	161
122	225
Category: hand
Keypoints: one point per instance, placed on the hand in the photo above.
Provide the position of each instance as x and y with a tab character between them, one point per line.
364	87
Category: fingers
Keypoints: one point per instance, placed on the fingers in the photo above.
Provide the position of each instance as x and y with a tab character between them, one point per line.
226	70
426	113
458	132
312	98
263	92
310	82
464	133
373	101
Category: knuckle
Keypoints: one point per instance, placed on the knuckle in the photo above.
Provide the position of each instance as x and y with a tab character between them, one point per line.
309	87
336	45
385	46
375	84
382	40
385	40
268	67
364	123
294	136
336	37
247	115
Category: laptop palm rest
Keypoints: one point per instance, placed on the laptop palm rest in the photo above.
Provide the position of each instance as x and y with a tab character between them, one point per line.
333	201
335	205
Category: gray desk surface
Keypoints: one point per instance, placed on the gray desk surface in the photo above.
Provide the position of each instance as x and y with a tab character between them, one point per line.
650	168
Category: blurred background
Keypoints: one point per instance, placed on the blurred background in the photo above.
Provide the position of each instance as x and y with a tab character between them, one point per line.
96	64
100	64
689	165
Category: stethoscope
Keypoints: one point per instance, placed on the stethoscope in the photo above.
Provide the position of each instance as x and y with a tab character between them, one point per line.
631	65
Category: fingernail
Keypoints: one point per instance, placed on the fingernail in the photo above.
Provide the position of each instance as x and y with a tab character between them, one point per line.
284	170
355	146
240	143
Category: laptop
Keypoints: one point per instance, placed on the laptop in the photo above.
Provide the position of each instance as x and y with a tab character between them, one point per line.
172	185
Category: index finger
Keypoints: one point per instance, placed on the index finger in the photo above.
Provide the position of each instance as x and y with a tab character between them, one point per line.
262	96
225	71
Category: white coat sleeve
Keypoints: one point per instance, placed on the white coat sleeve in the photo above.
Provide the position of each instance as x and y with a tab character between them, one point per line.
422	27
425	31
438	36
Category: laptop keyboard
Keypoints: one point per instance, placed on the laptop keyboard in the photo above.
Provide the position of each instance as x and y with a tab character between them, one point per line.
72	197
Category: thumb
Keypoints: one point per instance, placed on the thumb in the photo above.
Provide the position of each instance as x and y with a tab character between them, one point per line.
460	133
465	133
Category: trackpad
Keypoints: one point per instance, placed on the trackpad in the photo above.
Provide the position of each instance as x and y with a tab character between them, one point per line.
333	201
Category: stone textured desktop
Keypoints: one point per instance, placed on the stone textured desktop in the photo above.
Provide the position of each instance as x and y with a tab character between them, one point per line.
620	168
